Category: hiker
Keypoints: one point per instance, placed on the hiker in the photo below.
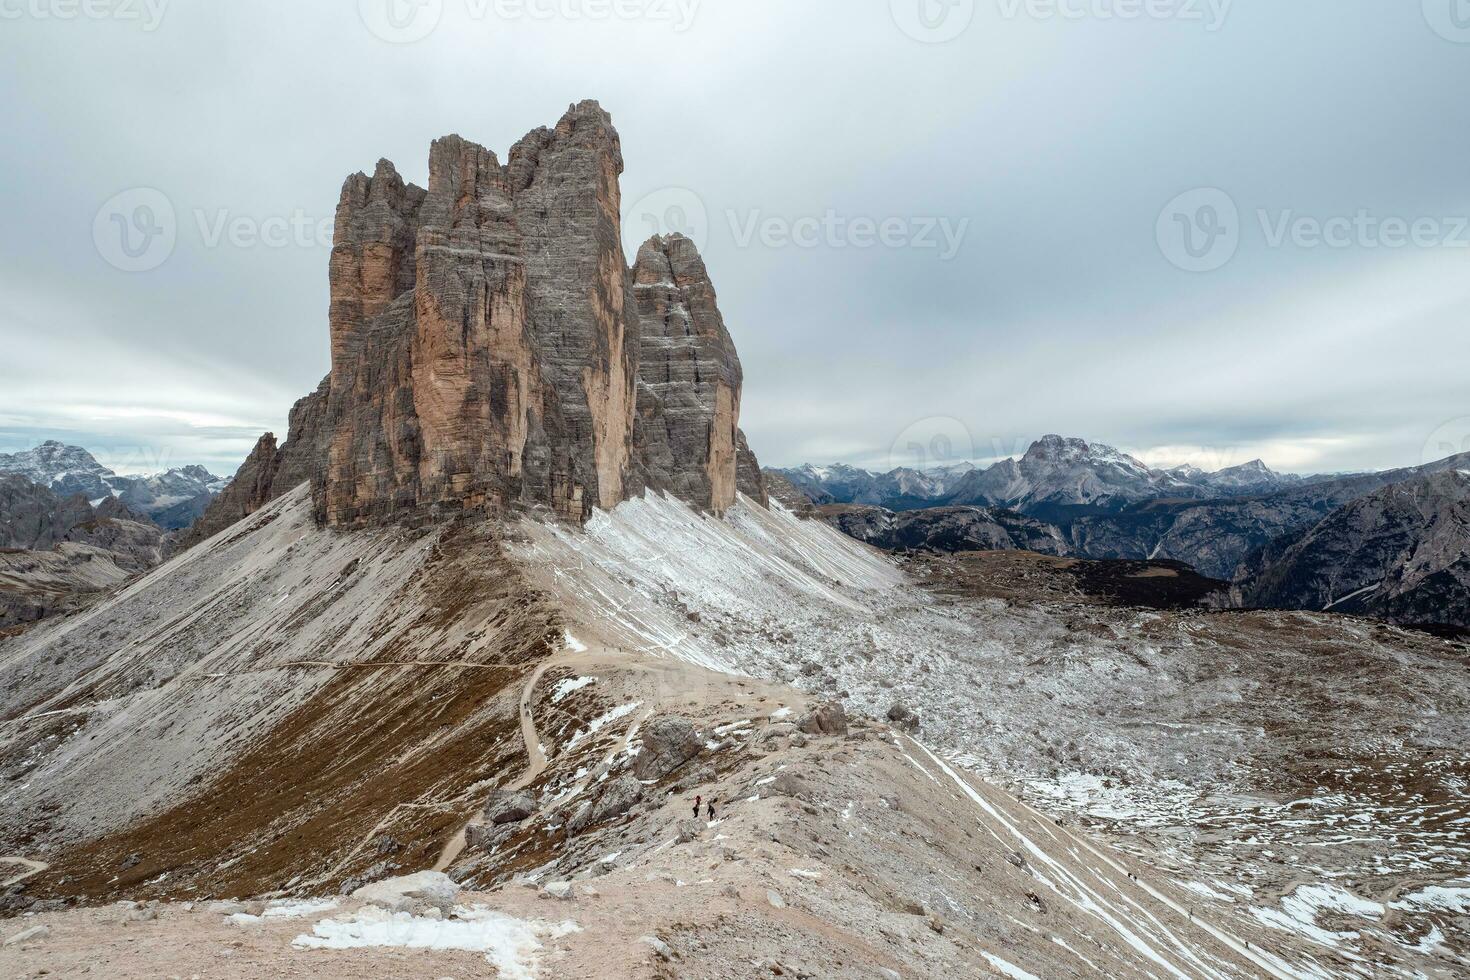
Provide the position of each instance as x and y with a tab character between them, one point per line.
711	810
697	800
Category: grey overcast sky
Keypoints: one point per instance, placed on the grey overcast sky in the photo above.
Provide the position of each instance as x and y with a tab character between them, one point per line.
949	224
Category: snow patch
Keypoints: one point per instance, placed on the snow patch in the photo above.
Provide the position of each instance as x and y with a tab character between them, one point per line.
1298	912
285	909
602	721
1008	969
569	686
511	945
1438	898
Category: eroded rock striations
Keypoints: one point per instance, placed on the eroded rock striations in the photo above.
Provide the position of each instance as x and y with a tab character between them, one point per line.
491	348
688	378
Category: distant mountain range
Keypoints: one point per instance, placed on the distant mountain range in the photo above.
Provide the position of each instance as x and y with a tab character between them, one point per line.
172	500
1394	544
1056	478
1401	553
56	553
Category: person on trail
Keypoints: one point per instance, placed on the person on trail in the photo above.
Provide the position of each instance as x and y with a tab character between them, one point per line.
711	806
697	801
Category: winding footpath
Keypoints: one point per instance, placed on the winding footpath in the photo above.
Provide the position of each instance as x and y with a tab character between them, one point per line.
536	764
32	868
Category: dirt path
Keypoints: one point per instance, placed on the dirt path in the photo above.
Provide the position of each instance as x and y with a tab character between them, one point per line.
32	868
535	765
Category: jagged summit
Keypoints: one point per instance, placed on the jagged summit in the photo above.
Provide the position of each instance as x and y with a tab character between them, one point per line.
1055	472
492	348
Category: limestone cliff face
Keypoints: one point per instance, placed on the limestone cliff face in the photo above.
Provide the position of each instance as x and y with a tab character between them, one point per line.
750	479
689	378
483	343
491	348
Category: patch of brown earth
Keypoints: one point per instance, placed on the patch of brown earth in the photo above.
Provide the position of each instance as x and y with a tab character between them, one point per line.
392	745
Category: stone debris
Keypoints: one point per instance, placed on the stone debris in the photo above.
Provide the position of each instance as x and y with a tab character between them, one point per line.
505	807
828	718
668	743
413	893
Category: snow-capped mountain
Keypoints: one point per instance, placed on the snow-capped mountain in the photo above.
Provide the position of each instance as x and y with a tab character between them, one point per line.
905	488
62	469
1247	479
172	500
1056	472
1061	472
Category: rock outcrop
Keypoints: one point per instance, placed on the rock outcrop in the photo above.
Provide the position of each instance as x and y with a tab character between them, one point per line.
505	806
827	718
946	529
750	479
484	340
57	554
668	743
491	348
32	517
689	378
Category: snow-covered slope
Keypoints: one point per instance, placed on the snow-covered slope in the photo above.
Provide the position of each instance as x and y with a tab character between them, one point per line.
1169	724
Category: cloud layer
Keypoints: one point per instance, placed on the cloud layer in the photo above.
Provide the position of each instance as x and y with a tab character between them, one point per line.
948	226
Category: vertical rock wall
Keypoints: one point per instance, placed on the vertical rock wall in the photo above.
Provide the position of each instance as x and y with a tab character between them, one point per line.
689	377
491	348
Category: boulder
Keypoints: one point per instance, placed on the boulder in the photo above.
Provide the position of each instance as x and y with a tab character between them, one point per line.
668	743
506	806
904	717
828	718
559	890
28	935
788	783
411	893
617	798
689	830
486	837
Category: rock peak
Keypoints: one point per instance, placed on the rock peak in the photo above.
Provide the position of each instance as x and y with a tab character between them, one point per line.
491	349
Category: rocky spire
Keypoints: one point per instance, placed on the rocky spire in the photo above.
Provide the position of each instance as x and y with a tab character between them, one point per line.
486	347
501	370
688	377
